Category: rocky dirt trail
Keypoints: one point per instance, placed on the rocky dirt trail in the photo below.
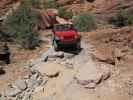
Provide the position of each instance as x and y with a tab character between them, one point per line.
59	69
69	75
86	74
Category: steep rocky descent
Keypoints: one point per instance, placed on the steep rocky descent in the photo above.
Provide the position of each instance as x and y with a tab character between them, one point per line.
69	73
75	82
65	77
61	70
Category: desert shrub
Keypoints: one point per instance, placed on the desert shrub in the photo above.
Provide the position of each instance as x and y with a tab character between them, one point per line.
130	20
85	22
20	26
35	3
120	19
50	4
65	14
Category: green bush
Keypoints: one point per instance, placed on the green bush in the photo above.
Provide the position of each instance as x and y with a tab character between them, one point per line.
35	3
20	26
130	20
120	18
50	4
85	22
65	14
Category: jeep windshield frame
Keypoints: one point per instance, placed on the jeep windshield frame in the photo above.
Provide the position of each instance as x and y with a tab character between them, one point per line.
63	27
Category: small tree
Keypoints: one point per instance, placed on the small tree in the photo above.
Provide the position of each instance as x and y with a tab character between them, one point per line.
20	25
85	22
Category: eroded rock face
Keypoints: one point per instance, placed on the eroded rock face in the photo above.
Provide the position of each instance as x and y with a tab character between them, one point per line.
92	74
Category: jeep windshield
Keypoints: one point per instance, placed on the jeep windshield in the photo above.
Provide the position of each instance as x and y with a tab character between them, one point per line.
63	27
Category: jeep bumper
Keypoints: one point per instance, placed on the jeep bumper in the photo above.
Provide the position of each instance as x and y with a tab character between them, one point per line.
68	42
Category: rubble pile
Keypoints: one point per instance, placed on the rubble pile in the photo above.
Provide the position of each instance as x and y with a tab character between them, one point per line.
22	89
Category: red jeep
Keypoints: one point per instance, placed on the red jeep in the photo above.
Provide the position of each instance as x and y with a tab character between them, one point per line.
65	35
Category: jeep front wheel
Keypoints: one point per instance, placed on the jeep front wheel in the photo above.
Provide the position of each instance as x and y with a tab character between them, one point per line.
78	45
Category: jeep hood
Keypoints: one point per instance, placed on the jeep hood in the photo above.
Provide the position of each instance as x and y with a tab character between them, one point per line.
65	33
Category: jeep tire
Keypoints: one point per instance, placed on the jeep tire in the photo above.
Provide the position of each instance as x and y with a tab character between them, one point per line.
78	45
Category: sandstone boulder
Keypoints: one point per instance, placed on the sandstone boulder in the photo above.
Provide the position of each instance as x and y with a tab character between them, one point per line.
105	54
92	74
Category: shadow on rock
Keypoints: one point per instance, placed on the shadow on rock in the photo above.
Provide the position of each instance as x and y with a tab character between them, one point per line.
2	71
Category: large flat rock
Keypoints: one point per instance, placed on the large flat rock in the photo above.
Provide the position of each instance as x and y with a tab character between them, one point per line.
48	68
